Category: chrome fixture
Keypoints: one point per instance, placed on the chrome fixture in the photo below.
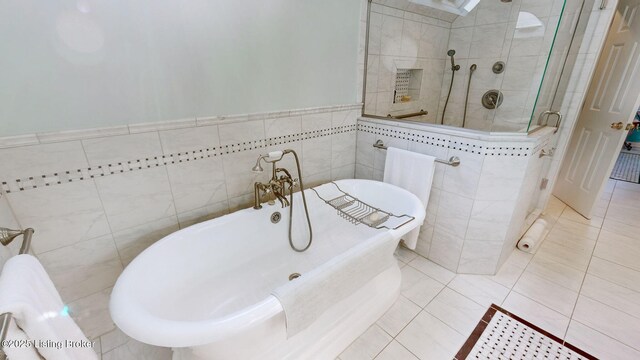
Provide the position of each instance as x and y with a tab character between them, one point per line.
453	161
492	99
279	187
6	237
548	153
472	69
454	68
294	276
498	67
548	113
405	116
275	217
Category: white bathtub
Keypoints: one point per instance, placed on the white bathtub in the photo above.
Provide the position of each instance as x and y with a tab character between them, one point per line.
206	290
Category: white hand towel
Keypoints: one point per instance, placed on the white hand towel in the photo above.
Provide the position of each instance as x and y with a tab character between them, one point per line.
305	299
27	292
413	172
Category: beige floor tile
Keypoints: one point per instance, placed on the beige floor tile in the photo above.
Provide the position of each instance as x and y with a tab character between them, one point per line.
457	311
368	345
572	215
556	272
598	344
479	289
611	294
620	249
537	314
615	273
609	321
395	351
398	316
418	287
430	339
432	269
547	293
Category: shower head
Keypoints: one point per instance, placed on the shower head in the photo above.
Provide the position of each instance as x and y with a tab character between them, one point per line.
454	67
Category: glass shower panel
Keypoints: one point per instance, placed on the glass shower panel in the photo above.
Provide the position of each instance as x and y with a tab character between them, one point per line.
561	62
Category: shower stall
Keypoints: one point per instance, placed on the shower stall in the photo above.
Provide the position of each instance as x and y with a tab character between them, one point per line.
488	65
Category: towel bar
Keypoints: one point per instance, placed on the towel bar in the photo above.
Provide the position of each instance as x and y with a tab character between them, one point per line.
6	236
453	161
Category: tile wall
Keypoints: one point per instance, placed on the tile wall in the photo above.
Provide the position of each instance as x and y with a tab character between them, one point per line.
8	220
98	198
404	39
475	212
486	35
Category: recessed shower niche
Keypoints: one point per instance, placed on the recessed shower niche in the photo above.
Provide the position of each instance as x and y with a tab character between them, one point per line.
408	84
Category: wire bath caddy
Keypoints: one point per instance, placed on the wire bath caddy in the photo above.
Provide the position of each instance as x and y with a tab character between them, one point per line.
357	211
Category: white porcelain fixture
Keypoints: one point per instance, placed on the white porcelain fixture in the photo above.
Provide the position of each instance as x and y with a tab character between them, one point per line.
206	290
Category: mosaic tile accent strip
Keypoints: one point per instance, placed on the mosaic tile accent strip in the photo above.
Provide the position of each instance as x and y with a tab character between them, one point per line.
471	146
502	335
67	176
627	168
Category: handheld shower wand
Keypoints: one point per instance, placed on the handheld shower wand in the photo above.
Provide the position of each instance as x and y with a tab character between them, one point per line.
454	68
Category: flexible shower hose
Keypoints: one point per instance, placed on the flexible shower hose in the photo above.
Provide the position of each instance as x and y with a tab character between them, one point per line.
444	110
306	210
466	99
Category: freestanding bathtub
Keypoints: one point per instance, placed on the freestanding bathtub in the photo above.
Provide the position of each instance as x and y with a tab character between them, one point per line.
206	291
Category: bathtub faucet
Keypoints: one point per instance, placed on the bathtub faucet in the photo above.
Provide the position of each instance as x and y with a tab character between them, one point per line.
278	186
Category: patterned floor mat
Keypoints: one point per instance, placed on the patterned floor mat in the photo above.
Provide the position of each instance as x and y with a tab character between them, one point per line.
627	167
502	335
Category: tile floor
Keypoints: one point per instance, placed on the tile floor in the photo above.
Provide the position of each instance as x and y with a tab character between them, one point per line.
582	285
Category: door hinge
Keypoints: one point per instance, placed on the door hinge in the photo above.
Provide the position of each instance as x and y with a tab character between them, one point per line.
544	183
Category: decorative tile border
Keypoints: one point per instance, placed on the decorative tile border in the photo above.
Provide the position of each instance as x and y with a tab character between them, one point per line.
67	176
60	136
445	141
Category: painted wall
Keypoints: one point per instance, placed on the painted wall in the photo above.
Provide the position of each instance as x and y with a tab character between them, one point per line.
71	65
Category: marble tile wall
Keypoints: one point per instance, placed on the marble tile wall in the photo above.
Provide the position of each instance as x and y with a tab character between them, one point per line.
97	201
486	35
8	220
405	39
473	208
400	39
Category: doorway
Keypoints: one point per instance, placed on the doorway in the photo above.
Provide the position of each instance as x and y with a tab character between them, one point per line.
606	116
627	167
